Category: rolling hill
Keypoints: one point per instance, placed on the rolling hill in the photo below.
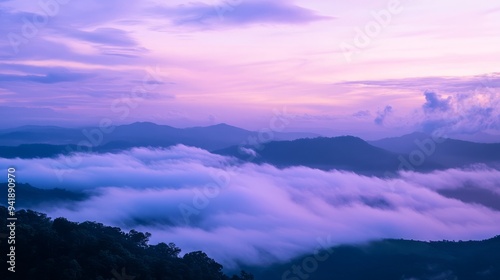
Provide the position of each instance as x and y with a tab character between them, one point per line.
393	260
446	152
344	153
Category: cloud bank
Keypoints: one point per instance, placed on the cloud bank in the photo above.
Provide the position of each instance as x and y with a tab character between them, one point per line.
456	106
462	113
255	214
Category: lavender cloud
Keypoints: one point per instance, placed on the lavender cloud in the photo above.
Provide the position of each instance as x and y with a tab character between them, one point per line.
456	106
435	103
112	36
462	113
238	13
381	115
362	114
448	85
48	78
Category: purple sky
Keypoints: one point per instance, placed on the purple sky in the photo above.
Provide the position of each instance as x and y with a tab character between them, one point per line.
368	68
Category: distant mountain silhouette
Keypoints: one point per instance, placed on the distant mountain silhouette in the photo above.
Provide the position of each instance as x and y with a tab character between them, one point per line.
29	196
138	134
416	151
32	134
393	260
402	144
479	137
345	153
35	150
446	152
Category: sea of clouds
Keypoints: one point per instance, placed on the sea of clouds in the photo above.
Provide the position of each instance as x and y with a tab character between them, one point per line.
244	213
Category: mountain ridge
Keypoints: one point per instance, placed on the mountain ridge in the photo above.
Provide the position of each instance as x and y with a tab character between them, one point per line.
344	152
138	133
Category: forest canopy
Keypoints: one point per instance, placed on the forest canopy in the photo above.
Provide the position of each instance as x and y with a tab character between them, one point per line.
60	249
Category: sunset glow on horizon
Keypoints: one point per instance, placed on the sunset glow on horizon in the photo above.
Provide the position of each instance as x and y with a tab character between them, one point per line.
334	66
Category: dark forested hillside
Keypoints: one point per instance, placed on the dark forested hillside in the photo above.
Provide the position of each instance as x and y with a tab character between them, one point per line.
60	249
394	260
